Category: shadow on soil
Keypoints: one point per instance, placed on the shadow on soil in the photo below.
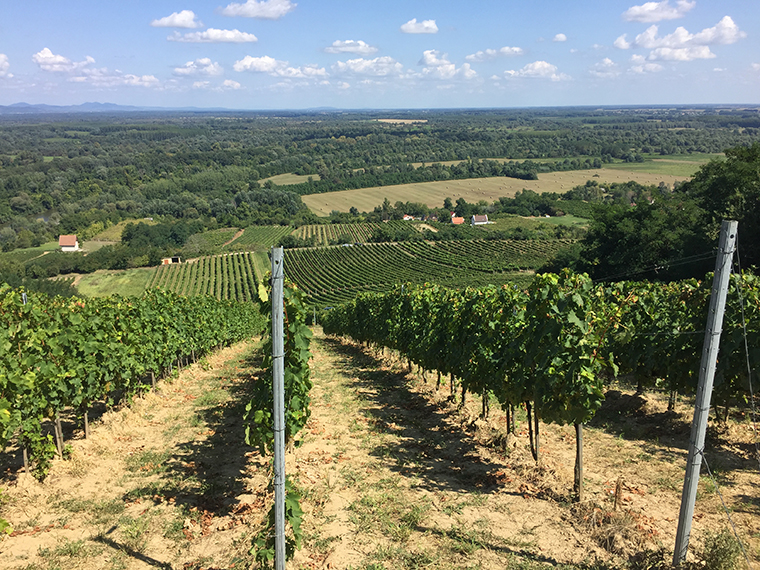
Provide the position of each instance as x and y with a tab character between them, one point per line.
661	433
131	552
430	446
208	473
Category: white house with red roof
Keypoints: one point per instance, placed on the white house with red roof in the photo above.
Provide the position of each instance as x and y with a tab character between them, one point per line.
68	243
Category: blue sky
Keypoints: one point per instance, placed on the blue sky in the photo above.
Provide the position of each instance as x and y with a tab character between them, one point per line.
296	54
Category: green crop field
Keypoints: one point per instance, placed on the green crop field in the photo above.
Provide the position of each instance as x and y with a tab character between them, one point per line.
256	238
334	274
475	189
324	233
677	165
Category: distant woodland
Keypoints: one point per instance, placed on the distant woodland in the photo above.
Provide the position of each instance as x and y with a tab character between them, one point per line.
80	174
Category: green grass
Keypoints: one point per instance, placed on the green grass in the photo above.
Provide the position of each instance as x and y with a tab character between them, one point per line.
23	255
208	243
114	232
675	165
131	282
286	179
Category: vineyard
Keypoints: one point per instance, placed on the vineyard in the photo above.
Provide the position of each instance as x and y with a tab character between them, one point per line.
229	276
328	234
69	353
258	237
488	255
550	347
336	274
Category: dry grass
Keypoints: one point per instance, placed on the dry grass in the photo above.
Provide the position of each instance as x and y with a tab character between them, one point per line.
473	190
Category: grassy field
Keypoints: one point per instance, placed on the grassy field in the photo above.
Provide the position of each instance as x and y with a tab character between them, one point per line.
286	179
677	165
475	189
113	234
102	283
24	255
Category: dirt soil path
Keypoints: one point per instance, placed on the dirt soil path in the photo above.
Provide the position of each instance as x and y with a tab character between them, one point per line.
398	475
237	235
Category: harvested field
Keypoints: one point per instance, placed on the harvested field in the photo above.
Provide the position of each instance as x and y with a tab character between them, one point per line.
473	189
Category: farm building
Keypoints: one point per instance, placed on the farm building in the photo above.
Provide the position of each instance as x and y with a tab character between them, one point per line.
457	221
170	260
479	220
68	243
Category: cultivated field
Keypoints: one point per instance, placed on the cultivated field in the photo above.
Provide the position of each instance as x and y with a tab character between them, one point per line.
474	189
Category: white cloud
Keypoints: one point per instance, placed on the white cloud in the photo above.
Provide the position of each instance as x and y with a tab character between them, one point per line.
437	66
266	64
487	54
622	43
640	65
48	61
560	38
434	58
647	68
681	54
83	72
351	46
229	84
183	19
682	45
539	69
203	66
605	69
724	32
658	11
756	66
378	67
343	85
213	35
264	10
5	65
102	77
424	27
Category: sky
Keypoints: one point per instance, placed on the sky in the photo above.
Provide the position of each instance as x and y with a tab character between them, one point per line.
379	54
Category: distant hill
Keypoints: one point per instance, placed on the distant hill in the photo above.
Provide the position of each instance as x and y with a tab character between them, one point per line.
29	109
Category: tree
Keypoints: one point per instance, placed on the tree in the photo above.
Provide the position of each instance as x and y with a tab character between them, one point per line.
730	190
657	240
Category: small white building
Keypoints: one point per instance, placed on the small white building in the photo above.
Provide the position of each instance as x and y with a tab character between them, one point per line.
68	243
478	220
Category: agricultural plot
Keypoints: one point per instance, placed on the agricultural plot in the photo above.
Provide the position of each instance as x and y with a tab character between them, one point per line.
476	189
335	274
255	238
488	255
325	233
228	276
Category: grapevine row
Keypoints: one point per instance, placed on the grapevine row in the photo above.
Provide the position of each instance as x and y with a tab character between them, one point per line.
546	347
67	353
